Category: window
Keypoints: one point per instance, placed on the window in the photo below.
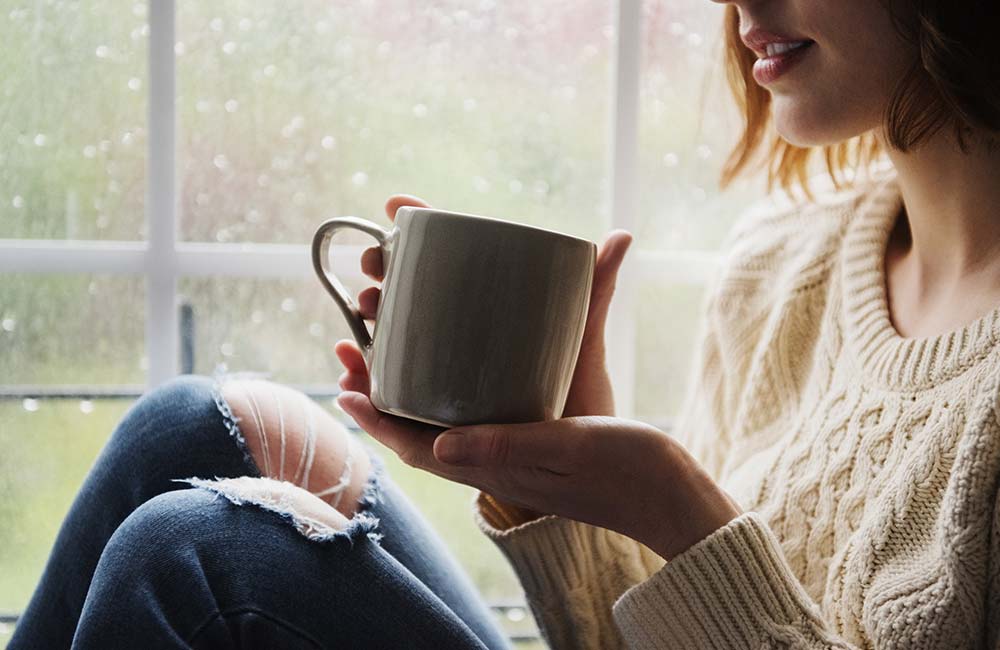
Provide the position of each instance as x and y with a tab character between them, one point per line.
163	165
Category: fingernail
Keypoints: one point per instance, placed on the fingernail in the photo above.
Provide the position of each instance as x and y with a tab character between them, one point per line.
450	447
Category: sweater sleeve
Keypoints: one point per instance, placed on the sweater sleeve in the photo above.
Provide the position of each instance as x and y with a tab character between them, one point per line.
733	589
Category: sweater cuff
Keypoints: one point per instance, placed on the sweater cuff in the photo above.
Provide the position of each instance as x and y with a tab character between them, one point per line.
729	590
553	555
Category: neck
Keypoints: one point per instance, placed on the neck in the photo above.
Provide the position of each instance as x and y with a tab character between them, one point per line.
950	231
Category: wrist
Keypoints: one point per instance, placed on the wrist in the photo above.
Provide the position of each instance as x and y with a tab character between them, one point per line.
696	507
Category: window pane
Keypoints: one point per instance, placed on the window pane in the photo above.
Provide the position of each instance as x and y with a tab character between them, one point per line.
291	113
283	328
71	329
47	451
73	131
688	123
667	322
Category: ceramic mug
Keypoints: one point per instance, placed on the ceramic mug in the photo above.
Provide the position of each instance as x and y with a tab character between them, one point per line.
479	320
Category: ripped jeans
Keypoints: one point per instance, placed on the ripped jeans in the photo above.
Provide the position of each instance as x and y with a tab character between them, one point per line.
145	561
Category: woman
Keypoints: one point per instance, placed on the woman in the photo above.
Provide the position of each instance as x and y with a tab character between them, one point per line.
834	480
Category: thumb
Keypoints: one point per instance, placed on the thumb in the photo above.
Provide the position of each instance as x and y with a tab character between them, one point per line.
609	261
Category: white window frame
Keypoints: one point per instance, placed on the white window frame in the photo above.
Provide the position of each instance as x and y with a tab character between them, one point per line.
162	259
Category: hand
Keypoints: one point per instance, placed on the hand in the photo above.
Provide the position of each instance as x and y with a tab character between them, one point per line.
590	391
618	474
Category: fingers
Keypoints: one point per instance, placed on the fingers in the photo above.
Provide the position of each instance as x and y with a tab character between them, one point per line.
355	378
396	201
411	440
371	259
371	263
368	302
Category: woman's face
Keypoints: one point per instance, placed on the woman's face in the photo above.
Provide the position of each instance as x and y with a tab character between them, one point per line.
838	85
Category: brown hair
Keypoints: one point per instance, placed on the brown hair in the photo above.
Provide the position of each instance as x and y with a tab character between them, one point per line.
954	81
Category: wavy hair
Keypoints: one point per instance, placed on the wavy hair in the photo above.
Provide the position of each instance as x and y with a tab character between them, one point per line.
954	82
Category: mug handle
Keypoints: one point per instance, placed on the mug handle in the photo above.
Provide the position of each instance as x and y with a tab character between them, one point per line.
321	264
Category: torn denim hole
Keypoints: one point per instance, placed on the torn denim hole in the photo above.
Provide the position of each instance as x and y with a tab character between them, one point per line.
314	518
229	419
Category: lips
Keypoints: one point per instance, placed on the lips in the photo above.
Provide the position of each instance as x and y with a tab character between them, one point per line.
767	43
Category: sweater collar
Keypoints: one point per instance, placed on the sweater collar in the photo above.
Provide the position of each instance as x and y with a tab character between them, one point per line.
888	359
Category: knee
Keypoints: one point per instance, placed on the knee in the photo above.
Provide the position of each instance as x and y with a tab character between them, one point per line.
179	412
292	439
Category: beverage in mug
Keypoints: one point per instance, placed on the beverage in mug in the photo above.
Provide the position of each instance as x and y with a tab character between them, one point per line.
480	320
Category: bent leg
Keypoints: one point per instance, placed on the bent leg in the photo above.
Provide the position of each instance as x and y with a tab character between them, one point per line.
186	429
189	569
172	432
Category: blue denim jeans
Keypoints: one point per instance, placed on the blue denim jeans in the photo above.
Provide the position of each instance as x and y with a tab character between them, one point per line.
144	561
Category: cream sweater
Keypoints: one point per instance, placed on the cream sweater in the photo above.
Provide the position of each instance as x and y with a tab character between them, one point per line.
867	465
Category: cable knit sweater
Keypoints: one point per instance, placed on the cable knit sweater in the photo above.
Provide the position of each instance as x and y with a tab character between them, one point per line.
867	465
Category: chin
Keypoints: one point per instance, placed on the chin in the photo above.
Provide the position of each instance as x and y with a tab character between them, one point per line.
802	127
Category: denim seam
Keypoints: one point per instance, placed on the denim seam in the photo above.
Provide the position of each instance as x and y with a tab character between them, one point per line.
223	614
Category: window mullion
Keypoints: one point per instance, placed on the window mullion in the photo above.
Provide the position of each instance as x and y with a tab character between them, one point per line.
162	322
621	328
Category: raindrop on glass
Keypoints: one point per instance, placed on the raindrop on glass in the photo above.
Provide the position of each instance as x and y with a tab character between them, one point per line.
86	406
226	349
671	159
515	614
8	324
30	405
135	83
288	305
328	142
359	178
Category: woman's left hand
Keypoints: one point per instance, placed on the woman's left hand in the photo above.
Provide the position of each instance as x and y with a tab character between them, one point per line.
619	474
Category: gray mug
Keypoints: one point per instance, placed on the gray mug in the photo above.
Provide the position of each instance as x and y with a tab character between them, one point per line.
480	320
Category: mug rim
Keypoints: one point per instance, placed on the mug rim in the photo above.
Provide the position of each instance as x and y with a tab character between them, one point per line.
497	220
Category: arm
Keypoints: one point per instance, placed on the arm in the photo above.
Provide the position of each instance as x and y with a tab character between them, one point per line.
572	572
